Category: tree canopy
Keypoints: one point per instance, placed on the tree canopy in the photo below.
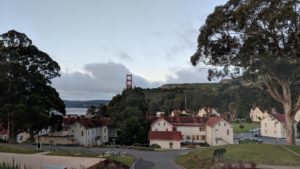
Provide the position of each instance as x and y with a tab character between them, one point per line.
27	99
259	39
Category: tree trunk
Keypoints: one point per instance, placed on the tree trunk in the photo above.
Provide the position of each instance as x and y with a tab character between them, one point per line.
289	125
285	99
289	122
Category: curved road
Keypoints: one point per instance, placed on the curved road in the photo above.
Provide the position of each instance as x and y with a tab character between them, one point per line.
145	159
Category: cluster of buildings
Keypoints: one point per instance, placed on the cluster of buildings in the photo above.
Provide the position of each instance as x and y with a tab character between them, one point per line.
272	124
182	127
76	131
204	128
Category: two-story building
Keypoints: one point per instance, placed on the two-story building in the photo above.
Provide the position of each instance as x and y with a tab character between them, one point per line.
169	132
90	131
274	126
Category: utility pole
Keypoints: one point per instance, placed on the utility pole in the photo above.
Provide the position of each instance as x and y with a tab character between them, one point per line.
185	103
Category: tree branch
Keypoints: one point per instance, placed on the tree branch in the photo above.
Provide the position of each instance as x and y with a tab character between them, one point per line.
272	89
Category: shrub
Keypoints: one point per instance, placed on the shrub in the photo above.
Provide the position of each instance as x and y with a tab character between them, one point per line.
242	126
13	165
155	146
138	145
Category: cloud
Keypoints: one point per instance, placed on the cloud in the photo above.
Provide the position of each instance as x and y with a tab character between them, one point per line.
124	55
190	75
185	40
98	81
105	80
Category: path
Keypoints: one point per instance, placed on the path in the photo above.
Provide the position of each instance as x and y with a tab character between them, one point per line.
37	161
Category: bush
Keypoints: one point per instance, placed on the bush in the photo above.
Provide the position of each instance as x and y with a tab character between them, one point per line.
242	126
138	145
13	165
155	146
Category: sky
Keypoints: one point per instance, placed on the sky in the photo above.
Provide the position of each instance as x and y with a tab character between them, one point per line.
97	42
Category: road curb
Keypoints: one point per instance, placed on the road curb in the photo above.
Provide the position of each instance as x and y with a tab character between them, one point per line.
133	164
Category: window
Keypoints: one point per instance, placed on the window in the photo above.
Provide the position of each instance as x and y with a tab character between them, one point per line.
82	133
203	137
216	141
21	138
227	131
225	124
104	138
200	128
216	129
219	124
159	124
275	132
164	124
171	144
104	129
174	129
166	129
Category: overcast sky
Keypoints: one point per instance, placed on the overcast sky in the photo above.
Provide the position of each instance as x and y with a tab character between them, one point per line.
97	42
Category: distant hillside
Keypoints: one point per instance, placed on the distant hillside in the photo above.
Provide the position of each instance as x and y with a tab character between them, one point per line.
236	96
83	104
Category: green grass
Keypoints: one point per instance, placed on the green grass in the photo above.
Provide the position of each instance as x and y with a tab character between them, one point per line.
19	150
260	153
247	127
60	152
126	160
295	149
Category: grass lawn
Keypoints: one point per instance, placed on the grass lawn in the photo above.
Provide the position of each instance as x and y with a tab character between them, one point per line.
60	152
126	160
259	153
19	150
295	149
247	127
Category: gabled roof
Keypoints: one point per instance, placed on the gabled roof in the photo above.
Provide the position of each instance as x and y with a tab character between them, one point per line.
182	121
279	117
165	135
93	123
3	132
213	121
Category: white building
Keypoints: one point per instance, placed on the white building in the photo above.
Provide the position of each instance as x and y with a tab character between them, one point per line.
22	137
297	116
257	115
218	131
168	132
274	126
90	132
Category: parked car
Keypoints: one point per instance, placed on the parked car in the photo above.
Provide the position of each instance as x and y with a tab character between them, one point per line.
257	139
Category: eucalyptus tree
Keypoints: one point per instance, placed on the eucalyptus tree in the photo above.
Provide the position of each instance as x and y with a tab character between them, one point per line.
261	40
27	98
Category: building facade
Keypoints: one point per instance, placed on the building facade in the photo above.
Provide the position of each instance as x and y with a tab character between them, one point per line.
274	126
190	130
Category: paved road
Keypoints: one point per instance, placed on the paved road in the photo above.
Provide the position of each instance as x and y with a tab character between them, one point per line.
266	140
39	160
154	159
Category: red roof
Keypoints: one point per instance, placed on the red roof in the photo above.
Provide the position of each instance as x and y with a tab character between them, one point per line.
280	117
165	135
183	121
213	120
3	132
